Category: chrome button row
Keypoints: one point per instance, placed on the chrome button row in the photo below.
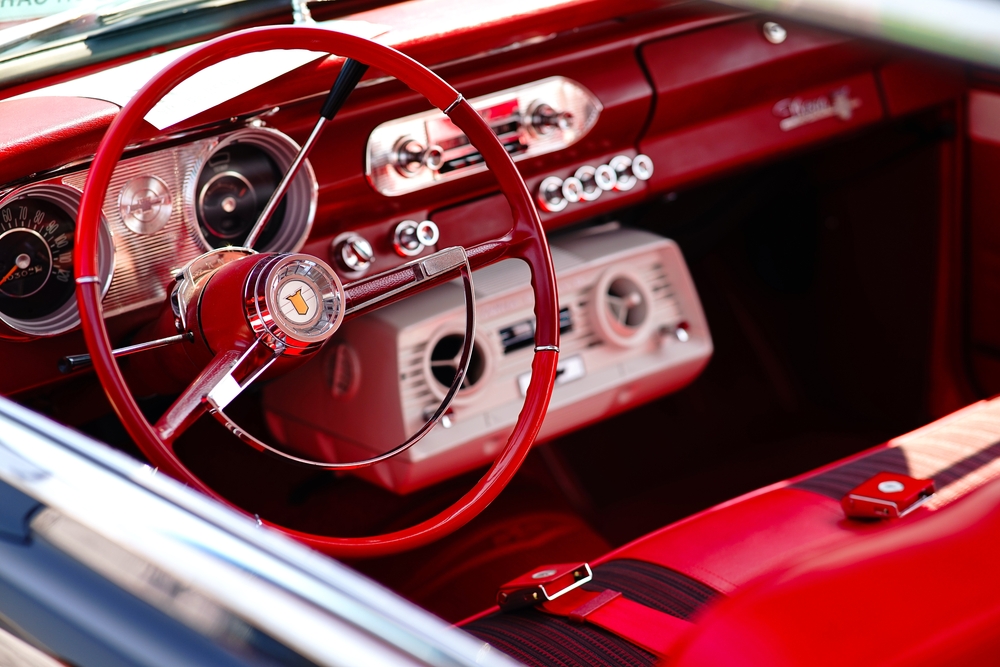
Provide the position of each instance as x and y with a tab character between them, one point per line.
588	183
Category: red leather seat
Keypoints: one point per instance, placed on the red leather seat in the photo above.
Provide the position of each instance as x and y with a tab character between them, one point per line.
801	575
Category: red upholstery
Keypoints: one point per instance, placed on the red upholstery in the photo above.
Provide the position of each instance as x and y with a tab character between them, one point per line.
806	586
923	593
730	544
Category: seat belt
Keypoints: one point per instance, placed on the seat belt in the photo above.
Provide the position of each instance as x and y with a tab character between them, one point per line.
555	589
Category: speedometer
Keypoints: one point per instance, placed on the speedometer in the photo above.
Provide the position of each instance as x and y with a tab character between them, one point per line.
36	257
37	233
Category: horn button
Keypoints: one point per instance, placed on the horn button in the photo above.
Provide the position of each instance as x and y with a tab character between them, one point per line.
294	302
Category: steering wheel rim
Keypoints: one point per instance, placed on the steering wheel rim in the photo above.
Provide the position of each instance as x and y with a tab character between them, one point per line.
525	240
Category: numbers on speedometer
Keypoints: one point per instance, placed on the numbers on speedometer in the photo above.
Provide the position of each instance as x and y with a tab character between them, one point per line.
36	257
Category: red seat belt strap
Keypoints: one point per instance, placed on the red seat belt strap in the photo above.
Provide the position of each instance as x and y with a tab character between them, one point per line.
653	630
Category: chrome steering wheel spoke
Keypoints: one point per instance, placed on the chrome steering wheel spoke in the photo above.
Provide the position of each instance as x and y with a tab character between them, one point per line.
217	386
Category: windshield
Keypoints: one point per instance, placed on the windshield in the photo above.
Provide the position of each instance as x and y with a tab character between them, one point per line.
88	32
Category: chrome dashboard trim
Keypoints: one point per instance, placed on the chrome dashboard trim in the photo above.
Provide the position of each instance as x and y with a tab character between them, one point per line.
435	127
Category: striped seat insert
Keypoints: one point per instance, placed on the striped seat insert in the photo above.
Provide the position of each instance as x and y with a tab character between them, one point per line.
541	640
960	453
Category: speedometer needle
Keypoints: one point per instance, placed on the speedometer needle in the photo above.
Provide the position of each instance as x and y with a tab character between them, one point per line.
9	274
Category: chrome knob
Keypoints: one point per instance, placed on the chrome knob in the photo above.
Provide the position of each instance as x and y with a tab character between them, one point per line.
590	189
410	237
642	167
428	233
572	189
354	253
775	32
605	177
411	156
629	171
550	195
622	165
543	119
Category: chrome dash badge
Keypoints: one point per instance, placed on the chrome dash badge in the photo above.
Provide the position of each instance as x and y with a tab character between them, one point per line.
798	111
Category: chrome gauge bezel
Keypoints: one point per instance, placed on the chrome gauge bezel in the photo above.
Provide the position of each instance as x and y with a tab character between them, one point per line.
67	317
300	201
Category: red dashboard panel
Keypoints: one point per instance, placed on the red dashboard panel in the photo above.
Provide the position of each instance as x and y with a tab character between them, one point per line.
41	133
718	108
763	130
721	70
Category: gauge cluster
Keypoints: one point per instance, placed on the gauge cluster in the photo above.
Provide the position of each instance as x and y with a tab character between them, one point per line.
37	228
163	208
234	184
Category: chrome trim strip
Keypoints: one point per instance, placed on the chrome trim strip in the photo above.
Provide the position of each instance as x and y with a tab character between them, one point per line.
546	348
458	100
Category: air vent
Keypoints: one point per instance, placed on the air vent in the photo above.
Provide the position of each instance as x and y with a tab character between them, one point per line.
623	309
627	305
445	357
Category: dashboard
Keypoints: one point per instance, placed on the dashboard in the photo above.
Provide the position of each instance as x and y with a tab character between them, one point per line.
602	110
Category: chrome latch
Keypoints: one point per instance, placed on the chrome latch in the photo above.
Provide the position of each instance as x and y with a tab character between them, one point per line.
544	584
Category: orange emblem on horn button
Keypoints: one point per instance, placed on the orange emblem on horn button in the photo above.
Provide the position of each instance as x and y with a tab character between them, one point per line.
299	303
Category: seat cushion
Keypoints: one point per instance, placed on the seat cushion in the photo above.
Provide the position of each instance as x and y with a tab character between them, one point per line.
924	594
542	640
731	544
718	551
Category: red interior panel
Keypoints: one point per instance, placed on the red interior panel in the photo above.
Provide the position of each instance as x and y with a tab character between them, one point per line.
696	80
755	133
39	133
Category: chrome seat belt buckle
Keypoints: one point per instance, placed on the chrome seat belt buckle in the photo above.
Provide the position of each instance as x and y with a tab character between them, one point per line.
887	496
548	582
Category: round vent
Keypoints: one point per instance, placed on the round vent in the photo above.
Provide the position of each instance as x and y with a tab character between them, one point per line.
622	309
445	357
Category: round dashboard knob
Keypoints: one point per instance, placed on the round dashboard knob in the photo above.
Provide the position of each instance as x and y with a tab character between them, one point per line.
587	176
412	156
642	167
427	233
354	253
550	195
410	238
543	119
605	177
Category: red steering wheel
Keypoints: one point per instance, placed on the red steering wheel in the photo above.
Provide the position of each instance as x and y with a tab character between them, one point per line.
525	240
